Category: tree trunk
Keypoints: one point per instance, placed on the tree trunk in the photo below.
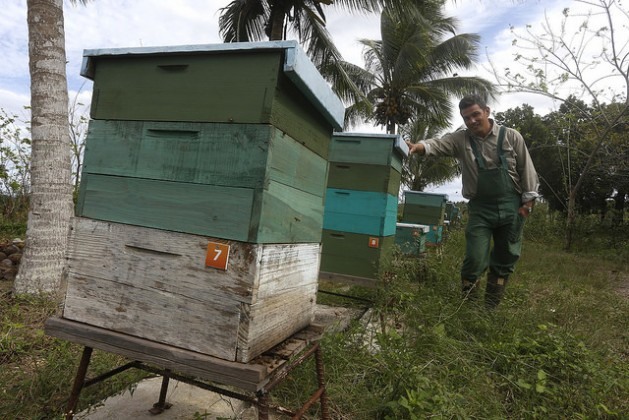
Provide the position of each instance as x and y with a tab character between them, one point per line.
276	20
570	219
51	168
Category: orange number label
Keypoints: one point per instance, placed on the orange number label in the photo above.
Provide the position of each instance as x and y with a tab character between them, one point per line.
217	255
374	242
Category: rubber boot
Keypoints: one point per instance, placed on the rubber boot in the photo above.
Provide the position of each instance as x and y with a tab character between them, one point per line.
495	290
469	289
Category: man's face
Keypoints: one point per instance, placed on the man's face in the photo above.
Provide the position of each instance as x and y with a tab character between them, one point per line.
477	119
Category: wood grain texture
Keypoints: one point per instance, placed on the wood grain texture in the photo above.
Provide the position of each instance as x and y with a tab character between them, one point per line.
250	377
154	284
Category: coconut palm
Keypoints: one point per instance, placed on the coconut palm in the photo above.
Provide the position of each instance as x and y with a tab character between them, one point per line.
257	20
412	73
51	165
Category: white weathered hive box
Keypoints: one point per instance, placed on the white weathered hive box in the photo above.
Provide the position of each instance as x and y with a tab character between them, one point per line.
156	284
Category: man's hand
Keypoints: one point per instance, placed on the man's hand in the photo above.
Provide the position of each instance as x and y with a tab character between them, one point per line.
526	209
415	148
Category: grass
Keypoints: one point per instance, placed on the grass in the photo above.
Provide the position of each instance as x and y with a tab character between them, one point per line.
557	347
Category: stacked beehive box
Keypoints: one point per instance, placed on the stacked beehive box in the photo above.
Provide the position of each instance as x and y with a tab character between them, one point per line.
411	238
361	203
200	208
426	209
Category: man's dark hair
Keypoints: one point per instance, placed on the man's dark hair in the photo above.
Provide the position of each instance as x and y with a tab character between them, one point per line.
473	99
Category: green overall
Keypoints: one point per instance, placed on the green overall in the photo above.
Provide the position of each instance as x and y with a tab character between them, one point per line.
493	212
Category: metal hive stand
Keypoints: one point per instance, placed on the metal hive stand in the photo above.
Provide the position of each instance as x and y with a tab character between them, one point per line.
258	377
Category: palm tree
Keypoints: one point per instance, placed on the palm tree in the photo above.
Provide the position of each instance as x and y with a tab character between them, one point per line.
51	166
412	73
257	20
409	79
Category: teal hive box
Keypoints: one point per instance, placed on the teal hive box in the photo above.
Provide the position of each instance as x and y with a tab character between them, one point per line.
366	212
435	235
411	238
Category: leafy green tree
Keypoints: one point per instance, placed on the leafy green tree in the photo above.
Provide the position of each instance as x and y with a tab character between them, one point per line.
590	63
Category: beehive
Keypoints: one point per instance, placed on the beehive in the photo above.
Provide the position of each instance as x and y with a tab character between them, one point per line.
411	238
361	203
424	208
200	208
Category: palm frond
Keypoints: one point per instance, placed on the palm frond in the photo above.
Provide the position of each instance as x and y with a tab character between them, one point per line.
243	21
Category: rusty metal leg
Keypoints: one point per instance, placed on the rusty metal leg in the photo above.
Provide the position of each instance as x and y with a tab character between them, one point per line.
161	404
79	380
263	406
321	380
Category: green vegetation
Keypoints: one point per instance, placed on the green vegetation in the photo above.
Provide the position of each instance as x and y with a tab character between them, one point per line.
555	348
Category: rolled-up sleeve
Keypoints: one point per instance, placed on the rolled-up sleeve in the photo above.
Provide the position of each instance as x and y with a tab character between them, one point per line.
529	181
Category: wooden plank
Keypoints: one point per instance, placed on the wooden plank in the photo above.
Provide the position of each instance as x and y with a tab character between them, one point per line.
211	210
153	285
249	377
212	154
425	215
293	165
364	177
425	199
287	267
280	214
360	212
350	253
234	155
272	319
294	114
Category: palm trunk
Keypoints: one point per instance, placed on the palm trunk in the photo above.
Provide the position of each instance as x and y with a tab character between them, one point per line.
51	189
277	19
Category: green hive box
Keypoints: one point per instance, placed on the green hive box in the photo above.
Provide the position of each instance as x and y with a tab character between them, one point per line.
259	83
384	150
226	140
424	208
353	254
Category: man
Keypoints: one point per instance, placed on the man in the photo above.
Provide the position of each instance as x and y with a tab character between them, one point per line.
500	182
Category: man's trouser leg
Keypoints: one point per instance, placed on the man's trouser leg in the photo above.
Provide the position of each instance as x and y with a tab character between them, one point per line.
477	242
504	255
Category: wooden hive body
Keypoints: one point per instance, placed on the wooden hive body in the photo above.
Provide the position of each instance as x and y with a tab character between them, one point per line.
155	284
411	238
195	147
424	208
361	203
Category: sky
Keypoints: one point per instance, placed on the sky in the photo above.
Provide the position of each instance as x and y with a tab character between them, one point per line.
143	23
